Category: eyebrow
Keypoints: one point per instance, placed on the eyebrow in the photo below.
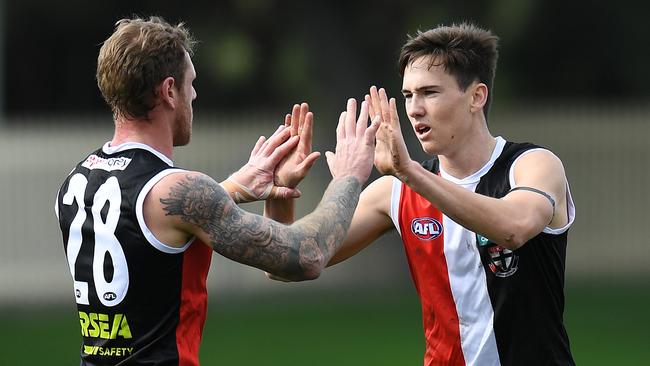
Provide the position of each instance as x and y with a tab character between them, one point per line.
421	88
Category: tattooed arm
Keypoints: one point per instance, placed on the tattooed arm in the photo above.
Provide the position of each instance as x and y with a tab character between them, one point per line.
189	204
296	252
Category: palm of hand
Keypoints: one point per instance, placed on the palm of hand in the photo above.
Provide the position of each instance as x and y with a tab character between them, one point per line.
386	158
287	173
294	167
391	155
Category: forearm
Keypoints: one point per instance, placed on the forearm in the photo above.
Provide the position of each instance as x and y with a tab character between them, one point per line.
296	252
280	210
491	217
320	234
197	205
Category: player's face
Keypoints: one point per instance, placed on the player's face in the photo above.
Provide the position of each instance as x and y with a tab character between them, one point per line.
185	114
438	110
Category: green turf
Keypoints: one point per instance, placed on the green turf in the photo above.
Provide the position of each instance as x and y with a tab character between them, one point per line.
607	324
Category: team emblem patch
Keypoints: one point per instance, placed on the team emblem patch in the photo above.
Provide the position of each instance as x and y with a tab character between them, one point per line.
426	228
503	261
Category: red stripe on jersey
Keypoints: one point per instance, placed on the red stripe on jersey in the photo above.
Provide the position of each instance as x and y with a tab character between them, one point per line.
194	303
424	248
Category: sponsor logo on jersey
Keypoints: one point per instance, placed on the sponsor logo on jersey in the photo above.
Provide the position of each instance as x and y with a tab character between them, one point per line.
108	351
105	326
110	164
426	228
503	261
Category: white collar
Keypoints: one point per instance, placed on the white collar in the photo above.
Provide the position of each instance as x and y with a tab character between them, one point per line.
108	149
476	176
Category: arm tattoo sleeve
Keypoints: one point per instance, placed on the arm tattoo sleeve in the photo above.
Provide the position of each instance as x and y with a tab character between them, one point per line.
296	252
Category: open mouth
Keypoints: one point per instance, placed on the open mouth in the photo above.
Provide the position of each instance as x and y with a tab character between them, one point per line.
422	130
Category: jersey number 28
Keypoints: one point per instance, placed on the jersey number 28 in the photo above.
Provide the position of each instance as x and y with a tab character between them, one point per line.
109	291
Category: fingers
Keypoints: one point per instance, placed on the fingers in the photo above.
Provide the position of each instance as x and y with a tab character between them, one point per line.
393	110
340	128
287	120
385	108
307	133
262	143
362	122
371	131
295	119
371	109
280	151
304	109
351	113
374	101
258	145
279	137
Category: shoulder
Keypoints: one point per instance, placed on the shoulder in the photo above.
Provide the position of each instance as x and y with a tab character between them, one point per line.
177	179
182	190
176	204
538	161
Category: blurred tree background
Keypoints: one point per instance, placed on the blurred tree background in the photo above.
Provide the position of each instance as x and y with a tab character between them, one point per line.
264	54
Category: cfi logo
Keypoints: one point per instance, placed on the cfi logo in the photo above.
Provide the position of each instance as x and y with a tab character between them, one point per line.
426	228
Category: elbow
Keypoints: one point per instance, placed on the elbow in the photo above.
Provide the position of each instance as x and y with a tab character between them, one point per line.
303	267
304	274
516	235
311	266
512	242
311	274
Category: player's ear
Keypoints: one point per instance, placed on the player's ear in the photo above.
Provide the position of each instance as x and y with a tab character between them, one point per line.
479	97
168	92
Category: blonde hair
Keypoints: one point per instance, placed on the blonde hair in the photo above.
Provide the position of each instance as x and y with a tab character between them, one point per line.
136	58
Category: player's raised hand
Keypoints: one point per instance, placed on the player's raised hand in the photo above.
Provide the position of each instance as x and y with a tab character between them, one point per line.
391	154
254	181
295	166
355	144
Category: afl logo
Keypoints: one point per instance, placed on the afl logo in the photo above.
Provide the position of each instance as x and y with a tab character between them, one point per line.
426	228
110	296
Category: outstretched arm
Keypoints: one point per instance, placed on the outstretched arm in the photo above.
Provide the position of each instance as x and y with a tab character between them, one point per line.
295	252
509	221
192	204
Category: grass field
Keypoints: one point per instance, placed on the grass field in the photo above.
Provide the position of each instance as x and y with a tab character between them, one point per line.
608	325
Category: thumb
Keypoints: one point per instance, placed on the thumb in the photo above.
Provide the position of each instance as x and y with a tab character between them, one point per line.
330	157
309	161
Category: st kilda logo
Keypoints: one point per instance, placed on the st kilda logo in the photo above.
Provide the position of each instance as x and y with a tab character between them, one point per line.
426	228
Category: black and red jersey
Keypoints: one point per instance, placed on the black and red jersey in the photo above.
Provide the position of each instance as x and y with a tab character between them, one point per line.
483	304
140	302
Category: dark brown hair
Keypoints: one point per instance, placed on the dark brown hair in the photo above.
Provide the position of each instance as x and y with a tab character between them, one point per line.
136	58
467	52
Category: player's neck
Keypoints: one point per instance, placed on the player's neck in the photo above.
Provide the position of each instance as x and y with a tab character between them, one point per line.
151	132
472	154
